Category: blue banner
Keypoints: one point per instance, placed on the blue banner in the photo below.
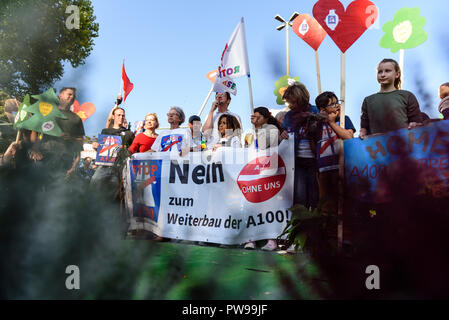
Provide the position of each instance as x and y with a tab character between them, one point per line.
417	157
146	188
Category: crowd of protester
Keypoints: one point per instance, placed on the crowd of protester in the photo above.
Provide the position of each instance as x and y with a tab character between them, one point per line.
315	129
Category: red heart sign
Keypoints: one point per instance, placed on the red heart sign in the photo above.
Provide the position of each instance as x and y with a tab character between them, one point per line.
308	29
345	27
84	111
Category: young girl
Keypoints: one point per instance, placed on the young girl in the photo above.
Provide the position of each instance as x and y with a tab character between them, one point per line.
145	140
268	128
391	108
268	135
229	132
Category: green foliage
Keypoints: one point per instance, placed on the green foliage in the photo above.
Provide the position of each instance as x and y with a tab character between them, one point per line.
3	96
92	139
303	225
35	42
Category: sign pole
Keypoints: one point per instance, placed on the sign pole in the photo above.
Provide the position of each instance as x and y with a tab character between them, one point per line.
341	156
401	65
318	76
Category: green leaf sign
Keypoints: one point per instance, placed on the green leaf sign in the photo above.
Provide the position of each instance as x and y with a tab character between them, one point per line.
44	111
22	113
405	31
280	87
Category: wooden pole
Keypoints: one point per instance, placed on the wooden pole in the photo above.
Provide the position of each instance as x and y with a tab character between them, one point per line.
318	76
205	101
401	65
341	167
18	132
343	89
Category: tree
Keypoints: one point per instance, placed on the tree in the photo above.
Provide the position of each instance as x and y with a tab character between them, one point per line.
3	97
35	42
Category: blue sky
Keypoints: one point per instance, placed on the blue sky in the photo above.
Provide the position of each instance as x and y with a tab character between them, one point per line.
169	46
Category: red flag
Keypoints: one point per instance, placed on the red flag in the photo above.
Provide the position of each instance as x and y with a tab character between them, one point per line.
127	85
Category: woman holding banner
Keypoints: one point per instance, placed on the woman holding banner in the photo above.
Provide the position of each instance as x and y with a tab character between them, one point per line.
268	135
175	139
229	133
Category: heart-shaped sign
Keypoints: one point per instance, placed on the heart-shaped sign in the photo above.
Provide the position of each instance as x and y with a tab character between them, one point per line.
345	27
308	29
83	111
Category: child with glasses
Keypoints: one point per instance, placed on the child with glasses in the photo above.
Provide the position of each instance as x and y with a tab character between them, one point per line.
328	149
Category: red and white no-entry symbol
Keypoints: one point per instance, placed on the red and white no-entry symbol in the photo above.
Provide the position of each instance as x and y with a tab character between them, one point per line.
262	178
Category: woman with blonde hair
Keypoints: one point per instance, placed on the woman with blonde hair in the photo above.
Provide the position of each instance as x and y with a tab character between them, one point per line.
145	140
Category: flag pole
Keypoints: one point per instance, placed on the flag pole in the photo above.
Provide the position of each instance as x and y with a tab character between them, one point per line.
121	80
251	104
120	94
341	159
205	101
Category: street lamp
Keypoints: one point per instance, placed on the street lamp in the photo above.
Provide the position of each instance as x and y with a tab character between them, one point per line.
282	26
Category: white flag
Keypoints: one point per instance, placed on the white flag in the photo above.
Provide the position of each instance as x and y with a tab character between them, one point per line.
234	61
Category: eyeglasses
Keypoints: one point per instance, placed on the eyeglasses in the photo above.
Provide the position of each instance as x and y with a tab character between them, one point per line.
339	102
171	114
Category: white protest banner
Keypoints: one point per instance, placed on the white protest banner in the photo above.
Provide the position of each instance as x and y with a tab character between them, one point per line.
229	196
234	61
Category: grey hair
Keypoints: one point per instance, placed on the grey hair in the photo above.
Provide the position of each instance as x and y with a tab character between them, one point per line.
280	114
180	113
